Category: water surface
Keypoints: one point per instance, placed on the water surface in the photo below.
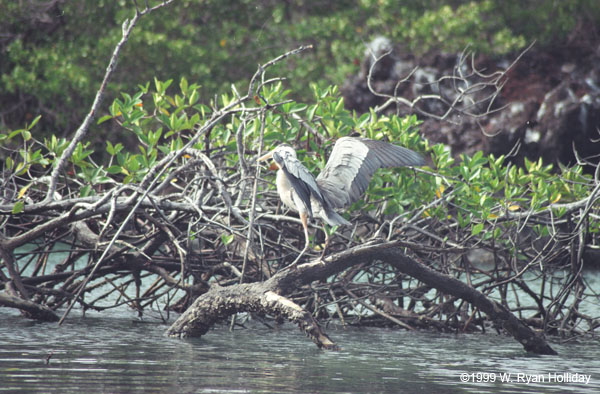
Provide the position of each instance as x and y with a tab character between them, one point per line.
117	353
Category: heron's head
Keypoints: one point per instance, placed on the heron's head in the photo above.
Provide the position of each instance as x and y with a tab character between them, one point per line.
280	155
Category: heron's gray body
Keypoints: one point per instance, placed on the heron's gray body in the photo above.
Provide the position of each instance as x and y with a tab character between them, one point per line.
299	190
344	179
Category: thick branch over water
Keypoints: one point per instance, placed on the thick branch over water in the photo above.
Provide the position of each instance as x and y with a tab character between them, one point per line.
218	303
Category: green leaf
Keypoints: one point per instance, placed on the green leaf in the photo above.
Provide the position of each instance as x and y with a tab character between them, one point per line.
311	112
21	168
85	191
110	148
104	119
193	97
183	85
18	208
478	228
158	86
144	88
226	239
114	108
14	133
114	169
339	106
34	122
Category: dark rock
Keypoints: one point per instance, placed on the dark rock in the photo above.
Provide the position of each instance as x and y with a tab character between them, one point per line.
550	100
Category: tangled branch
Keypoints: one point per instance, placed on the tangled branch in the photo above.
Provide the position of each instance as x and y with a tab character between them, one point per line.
189	214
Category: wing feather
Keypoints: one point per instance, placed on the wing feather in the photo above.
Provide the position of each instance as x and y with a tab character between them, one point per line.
352	163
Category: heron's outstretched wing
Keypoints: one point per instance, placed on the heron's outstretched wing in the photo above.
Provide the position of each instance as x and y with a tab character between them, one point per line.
300	178
353	162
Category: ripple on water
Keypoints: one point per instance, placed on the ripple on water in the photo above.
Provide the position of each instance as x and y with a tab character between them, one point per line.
118	355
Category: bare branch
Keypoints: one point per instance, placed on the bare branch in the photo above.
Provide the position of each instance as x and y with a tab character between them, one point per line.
85	125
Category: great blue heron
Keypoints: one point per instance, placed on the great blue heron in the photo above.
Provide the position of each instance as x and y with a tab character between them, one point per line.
346	176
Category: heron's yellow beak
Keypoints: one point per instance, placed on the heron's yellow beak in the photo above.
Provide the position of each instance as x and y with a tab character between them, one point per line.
268	156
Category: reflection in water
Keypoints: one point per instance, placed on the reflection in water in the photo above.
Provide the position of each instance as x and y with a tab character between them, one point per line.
118	355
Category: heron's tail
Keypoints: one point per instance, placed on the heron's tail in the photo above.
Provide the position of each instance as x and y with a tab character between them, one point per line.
333	218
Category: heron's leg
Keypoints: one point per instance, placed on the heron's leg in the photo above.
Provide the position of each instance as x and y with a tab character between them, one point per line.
304	220
327	239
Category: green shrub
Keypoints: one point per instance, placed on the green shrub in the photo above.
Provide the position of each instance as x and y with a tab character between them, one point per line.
54	59
481	196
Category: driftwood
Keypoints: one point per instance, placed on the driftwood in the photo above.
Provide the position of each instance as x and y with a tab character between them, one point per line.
269	297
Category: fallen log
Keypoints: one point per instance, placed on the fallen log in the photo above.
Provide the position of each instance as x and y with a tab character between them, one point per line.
268	297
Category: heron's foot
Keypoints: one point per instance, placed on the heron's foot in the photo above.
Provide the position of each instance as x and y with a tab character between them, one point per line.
322	255
325	247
